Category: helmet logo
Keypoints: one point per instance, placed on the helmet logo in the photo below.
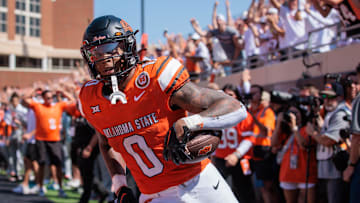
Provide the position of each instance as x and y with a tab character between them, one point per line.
143	80
126	26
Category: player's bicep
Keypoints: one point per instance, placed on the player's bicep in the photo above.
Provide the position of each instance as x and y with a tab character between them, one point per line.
196	99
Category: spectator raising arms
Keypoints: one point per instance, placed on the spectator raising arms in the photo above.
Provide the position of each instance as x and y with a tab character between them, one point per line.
227	36
349	11
47	134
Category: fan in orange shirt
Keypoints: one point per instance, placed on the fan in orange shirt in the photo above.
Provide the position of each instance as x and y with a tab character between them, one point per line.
134	106
47	133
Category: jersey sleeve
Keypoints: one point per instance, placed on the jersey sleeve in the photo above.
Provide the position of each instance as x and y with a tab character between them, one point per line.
86	94
171	75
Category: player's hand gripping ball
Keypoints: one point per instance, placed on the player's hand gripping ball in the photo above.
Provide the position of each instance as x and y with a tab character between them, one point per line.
195	146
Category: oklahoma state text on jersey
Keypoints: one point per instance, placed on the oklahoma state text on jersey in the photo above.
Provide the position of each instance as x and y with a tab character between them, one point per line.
137	129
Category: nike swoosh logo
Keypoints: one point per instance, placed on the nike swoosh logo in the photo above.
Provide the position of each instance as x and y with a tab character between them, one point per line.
136	98
217	185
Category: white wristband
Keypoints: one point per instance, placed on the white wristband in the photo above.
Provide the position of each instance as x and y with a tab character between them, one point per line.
243	147
118	181
194	122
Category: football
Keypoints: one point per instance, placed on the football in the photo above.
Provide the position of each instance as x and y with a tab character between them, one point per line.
202	143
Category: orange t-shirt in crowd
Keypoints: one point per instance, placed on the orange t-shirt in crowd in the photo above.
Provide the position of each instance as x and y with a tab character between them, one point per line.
138	128
48	120
192	66
298	175
3	125
265	116
232	137
73	110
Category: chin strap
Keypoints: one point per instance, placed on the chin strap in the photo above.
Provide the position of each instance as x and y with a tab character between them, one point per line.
117	94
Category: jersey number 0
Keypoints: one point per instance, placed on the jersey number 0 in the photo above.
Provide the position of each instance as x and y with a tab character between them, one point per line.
150	155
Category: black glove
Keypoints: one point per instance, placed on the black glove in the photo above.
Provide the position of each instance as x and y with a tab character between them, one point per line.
174	149
125	195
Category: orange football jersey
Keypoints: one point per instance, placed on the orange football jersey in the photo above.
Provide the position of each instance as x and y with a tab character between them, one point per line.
137	129
232	137
48	120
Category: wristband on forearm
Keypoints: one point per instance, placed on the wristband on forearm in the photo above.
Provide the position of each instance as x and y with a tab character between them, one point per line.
243	148
198	122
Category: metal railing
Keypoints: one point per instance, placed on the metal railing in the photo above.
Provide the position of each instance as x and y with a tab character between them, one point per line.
279	55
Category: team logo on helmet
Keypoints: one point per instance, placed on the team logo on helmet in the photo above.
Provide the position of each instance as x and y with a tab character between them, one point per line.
205	150
126	26
143	80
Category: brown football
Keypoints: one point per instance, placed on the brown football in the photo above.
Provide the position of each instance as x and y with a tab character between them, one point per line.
202	143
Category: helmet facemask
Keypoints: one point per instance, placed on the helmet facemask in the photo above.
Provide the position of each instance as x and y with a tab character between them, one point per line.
121	51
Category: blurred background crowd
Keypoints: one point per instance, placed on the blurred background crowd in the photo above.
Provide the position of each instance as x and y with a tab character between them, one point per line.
294	146
267	33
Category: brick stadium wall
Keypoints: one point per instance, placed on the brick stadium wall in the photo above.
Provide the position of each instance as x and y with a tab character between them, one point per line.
70	19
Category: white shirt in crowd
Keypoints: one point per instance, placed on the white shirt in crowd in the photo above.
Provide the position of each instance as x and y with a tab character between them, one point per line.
295	31
203	52
250	46
270	42
323	36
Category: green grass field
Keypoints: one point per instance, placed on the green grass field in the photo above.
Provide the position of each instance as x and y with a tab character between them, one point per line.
72	196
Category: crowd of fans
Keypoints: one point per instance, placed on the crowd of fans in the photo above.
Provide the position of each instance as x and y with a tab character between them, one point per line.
266	33
291	147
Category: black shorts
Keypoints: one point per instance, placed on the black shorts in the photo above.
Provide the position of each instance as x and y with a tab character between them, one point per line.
31	151
49	151
74	152
264	169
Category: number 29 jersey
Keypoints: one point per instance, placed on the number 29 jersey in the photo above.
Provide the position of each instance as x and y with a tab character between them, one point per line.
138	128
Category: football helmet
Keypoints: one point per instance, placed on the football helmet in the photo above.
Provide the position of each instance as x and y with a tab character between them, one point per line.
110	38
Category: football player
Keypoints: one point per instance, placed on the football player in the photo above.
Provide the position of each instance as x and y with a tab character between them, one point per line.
140	110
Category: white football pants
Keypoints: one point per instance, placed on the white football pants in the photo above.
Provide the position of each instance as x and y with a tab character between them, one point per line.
207	187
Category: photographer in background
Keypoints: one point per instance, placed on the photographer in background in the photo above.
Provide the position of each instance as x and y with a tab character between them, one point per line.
352	172
327	134
298	174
